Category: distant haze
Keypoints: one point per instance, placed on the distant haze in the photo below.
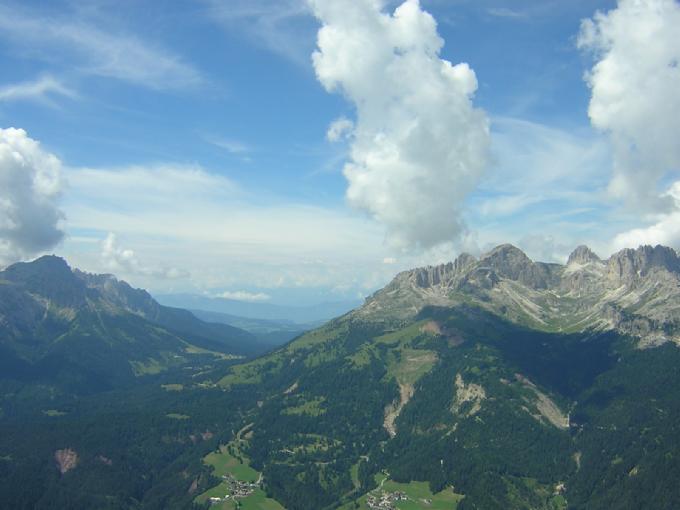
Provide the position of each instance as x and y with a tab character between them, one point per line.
297	314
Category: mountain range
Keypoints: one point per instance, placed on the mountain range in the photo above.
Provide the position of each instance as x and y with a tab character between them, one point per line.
94	331
491	382
634	291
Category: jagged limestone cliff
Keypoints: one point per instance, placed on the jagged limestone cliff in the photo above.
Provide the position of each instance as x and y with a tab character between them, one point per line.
634	291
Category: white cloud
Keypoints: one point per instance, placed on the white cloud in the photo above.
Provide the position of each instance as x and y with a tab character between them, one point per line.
545	248
147	187
42	89
242	295
635	86
276	25
97	51
665	230
229	145
226	237
339	129
504	12
30	187
535	158
419	146
122	260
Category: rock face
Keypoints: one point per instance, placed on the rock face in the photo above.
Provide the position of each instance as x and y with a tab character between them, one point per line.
634	291
582	255
630	265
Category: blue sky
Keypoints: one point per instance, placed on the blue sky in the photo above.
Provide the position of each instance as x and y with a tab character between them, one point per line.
193	156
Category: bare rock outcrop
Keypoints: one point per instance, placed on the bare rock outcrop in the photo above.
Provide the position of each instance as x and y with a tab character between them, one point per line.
636	292
66	460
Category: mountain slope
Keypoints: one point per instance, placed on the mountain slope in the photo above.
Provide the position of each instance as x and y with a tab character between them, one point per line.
90	332
495	376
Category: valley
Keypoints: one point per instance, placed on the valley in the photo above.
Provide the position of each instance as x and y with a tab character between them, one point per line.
437	393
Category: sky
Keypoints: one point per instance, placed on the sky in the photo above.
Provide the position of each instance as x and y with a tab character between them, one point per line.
298	151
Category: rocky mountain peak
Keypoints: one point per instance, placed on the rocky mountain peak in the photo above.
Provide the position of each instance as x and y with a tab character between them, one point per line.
508	261
50	277
632	289
120	293
582	255
506	258
45	265
629	264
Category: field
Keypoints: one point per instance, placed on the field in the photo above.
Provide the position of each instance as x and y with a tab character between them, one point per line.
257	501
230	461
54	413
419	496
224	463
178	416
172	387
419	492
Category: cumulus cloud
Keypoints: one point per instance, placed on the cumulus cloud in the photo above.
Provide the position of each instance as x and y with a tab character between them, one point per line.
418	146
242	295
635	84
118	259
665	230
340	128
30	186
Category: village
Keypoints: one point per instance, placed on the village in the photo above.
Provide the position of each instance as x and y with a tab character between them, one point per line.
236	489
385	500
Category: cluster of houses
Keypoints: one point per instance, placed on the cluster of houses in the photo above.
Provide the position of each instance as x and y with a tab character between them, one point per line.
385	500
236	489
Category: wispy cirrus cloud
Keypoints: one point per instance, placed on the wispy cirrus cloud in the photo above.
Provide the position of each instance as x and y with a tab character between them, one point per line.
95	50
505	12
179	216
44	89
231	145
276	25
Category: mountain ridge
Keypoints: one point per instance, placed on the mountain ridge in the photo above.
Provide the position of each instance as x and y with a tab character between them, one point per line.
62	324
634	291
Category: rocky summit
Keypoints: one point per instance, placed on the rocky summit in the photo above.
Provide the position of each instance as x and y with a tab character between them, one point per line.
634	291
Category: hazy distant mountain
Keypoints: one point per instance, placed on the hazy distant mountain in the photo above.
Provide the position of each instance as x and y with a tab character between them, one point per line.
267	311
87	332
270	332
